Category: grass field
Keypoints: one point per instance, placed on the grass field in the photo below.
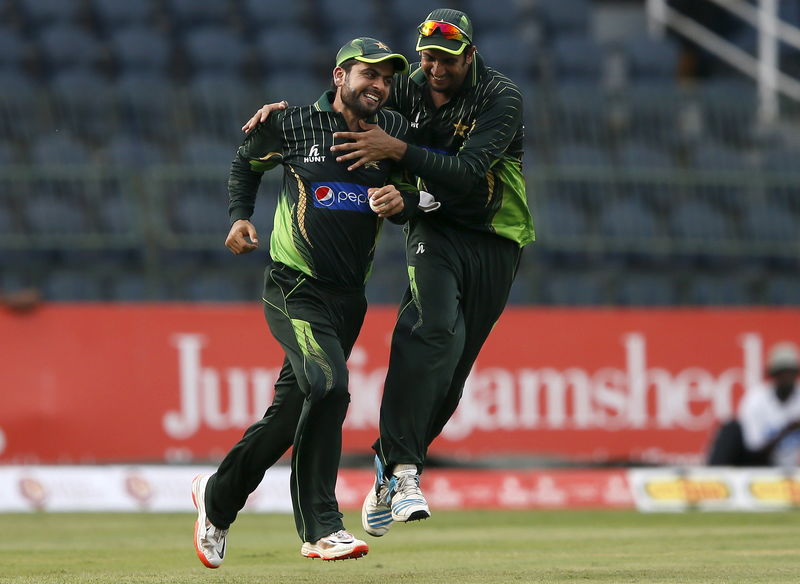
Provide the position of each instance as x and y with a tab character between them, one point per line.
451	547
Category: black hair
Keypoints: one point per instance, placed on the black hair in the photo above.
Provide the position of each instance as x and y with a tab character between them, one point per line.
346	65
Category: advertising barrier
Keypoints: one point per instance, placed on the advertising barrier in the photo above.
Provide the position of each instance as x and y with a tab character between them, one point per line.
180	383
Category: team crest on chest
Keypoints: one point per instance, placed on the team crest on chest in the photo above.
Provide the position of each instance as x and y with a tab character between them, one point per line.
374	164
461	129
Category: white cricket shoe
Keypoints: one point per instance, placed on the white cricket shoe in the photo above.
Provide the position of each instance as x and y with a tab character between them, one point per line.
376	512
209	542
408	502
337	546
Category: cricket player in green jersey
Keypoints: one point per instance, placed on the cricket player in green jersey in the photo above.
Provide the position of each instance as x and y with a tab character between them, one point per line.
326	225
462	259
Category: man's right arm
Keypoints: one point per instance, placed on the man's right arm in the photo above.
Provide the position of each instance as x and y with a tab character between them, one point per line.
261	150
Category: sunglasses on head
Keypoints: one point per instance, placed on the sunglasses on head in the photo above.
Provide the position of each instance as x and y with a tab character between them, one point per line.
447	30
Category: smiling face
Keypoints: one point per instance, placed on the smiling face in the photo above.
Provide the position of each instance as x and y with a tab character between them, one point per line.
445	72
364	88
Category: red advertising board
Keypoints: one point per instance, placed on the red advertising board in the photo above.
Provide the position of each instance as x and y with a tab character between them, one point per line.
103	383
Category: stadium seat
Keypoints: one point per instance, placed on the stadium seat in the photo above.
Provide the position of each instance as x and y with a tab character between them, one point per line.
85	51
580	113
715	156
782	290
560	219
645	289
201	214
214	49
489	17
69	285
637	155
118	215
297	88
53	215
201	151
628	221
14	50
190	13
648	57
223	103
147	106
578	58
134	286
346	17
288	50
141	50
216	286
83	103
575	289
40	13
277	14
125	151
765	222
582	155
7	154
565	17
57	149
114	14
507	53
20	106
717	290
700	221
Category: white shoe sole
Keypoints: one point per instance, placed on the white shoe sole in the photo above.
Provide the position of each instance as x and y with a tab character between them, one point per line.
199	499
352	551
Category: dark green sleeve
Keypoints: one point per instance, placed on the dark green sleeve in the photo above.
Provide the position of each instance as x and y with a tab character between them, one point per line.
491	134
402	179
261	150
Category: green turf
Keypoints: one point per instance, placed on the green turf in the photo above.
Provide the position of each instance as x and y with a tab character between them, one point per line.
452	547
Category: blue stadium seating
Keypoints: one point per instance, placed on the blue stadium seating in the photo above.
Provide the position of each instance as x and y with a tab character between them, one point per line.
203	151
223	103
214	49
769	222
20	109
14	49
276	14
69	285
645	288
637	155
496	16
217	287
146	103
651	58
289	50
565	17
125	151
59	148
559	218
699	221
719	290
782	290
577	57
574	288
198	213
141	50
50	214
84	104
45	12
627	221
65	46
297	88
114	14
507	53
188	13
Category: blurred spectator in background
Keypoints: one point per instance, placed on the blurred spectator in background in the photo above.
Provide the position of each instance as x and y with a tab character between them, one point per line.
694	61
21	300
767	430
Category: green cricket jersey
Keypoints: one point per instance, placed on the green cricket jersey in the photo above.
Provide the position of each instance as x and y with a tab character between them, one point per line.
471	150
323	224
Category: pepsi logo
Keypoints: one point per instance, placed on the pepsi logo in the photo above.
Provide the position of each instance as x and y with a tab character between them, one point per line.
325	195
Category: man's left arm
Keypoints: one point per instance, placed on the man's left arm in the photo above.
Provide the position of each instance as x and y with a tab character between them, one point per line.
492	132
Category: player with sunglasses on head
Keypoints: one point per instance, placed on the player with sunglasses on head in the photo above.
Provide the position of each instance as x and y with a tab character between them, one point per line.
326	225
462	258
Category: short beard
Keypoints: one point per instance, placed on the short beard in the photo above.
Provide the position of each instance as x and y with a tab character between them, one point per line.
351	101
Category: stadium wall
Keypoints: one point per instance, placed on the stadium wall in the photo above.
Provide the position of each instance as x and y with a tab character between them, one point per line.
102	383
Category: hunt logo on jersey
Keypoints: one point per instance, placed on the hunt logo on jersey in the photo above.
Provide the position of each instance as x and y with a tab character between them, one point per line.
339	196
314	155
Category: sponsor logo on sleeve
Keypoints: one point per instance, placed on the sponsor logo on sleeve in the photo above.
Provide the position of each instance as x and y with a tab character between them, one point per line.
340	196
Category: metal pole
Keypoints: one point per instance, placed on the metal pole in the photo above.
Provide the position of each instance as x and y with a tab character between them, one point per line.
768	109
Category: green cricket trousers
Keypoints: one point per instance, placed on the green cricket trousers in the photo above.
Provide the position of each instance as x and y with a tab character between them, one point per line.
317	327
459	284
